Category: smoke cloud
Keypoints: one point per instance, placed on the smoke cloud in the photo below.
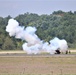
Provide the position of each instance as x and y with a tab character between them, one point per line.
33	44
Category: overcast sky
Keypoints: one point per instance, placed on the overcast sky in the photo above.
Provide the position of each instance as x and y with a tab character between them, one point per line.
16	7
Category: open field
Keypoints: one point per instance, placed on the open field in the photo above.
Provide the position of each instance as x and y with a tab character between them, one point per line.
13	64
37	65
21	51
19	63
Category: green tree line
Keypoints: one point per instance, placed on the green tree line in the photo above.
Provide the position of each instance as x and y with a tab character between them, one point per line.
58	24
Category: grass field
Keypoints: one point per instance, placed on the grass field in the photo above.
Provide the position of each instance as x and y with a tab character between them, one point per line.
21	51
37	65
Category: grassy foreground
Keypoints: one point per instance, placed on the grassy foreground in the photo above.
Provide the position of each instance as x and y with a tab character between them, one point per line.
37	65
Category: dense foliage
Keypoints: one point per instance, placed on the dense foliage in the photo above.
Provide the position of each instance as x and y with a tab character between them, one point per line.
58	24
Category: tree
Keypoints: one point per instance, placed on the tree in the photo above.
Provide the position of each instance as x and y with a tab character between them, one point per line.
58	24
8	44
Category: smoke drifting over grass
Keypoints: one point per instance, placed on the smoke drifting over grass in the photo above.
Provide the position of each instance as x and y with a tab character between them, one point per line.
33	43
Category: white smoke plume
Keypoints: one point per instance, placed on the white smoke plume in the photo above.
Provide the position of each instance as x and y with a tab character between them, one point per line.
33	43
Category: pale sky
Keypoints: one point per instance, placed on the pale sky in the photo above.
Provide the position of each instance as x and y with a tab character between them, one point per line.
16	7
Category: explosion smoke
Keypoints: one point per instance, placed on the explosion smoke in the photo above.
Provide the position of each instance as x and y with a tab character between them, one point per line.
33	43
